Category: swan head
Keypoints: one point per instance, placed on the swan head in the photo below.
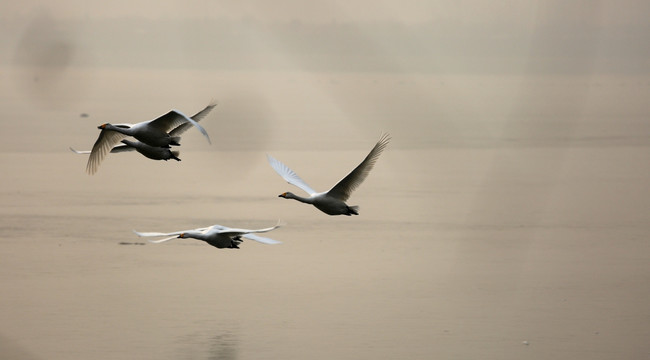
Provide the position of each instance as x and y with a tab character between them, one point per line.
288	195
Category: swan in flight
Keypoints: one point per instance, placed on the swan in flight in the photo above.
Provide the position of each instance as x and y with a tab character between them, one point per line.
160	132
332	202
152	152
216	235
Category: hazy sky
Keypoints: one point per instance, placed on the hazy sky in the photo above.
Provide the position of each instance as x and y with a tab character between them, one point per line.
407	11
611	13
409	35
41	40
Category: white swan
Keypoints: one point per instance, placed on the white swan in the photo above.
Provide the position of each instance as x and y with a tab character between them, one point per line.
152	152
160	132
216	235
332	202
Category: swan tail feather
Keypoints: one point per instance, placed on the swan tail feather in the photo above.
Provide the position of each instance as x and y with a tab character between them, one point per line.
353	210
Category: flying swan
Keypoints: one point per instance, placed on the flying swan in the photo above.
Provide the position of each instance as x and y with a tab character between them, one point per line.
151	152
332	202
216	235
156	152
156	133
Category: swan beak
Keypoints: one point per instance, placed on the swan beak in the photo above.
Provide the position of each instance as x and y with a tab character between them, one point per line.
283	195
181	235
102	126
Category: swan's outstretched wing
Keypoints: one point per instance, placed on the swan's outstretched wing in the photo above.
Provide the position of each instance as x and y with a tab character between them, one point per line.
289	175
174	119
344	188
163	240
234	232
105	142
79	151
249	233
260	239
196	117
170	236
153	234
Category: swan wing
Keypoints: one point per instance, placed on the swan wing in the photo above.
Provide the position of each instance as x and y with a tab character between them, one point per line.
289	175
348	184
196	117
176	233
216	228
105	142
234	232
261	239
163	240
80	151
174	119
150	234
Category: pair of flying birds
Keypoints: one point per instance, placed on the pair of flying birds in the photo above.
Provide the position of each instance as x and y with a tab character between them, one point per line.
155	138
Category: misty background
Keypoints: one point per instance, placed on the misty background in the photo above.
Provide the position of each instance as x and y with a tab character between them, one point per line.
507	219
461	74
470	37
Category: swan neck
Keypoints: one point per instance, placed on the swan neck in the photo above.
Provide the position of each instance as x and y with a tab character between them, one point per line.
126	131
300	198
130	143
194	235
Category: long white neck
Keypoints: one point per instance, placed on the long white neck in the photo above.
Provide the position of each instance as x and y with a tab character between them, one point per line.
122	130
299	198
195	235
